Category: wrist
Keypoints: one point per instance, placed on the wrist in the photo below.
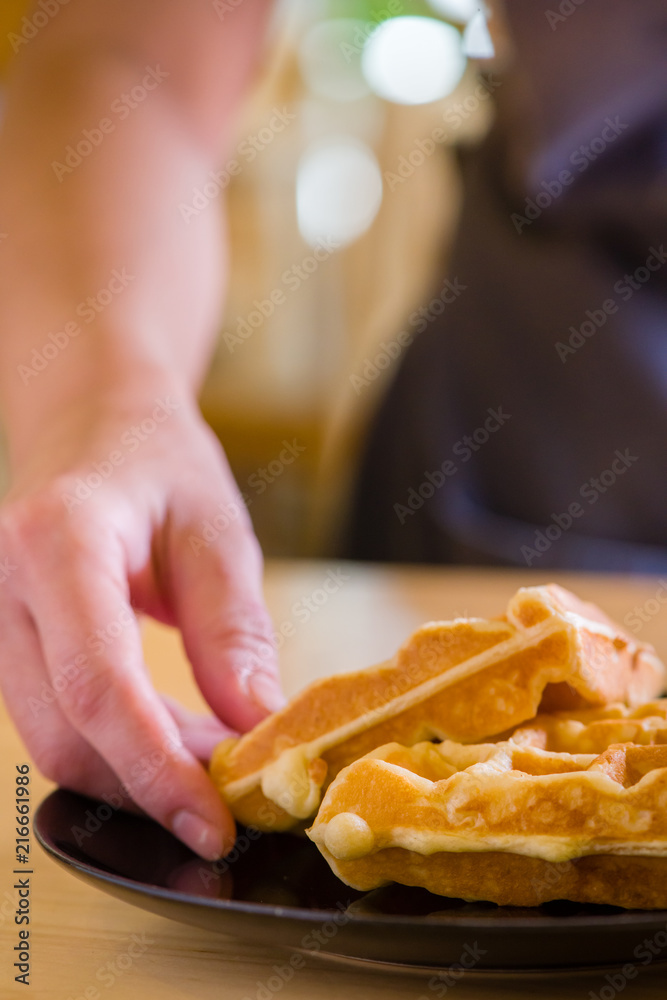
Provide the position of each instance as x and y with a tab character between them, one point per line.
84	410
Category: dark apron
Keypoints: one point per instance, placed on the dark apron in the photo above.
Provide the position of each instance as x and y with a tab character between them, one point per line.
561	329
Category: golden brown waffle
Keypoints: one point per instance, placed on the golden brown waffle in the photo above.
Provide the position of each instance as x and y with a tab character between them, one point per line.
510	822
466	679
593	730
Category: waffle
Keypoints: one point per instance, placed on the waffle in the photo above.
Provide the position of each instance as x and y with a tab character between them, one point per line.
516	822
593	730
466	680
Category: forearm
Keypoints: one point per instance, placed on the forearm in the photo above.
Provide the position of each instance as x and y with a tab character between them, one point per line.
108	303
97	253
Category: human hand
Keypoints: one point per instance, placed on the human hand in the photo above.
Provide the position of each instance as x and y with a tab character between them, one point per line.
105	515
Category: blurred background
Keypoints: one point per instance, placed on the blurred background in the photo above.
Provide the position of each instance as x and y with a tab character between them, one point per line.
342	191
366	165
339	220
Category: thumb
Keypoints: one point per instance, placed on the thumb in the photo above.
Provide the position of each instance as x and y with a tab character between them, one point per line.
216	582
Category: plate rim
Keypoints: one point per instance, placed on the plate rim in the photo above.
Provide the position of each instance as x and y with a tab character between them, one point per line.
526	924
477	974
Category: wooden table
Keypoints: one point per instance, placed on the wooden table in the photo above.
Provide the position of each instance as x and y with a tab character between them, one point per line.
77	931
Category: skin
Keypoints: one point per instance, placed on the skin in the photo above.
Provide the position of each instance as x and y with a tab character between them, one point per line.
100	727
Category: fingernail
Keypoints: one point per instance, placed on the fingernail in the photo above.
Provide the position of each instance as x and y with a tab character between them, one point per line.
266	692
200	835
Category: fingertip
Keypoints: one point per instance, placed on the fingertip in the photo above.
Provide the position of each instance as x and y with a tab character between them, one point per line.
266	692
209	840
239	685
202	837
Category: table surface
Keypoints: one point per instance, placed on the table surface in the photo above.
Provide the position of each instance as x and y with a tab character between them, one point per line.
76	931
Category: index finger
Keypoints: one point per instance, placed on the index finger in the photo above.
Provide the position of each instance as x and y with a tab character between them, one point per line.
85	620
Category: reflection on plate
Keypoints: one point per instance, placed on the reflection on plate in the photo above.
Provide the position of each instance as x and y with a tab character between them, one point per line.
277	890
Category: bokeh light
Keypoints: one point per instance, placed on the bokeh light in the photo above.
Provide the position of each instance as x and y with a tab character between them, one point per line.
338	190
413	60
477	43
330	59
456	10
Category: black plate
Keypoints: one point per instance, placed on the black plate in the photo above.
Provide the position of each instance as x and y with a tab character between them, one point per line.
277	890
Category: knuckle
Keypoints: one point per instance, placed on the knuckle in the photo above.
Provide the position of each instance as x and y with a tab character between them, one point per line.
37	528
245	624
86	699
150	777
17	524
240	552
29	519
56	762
30	514
147	775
